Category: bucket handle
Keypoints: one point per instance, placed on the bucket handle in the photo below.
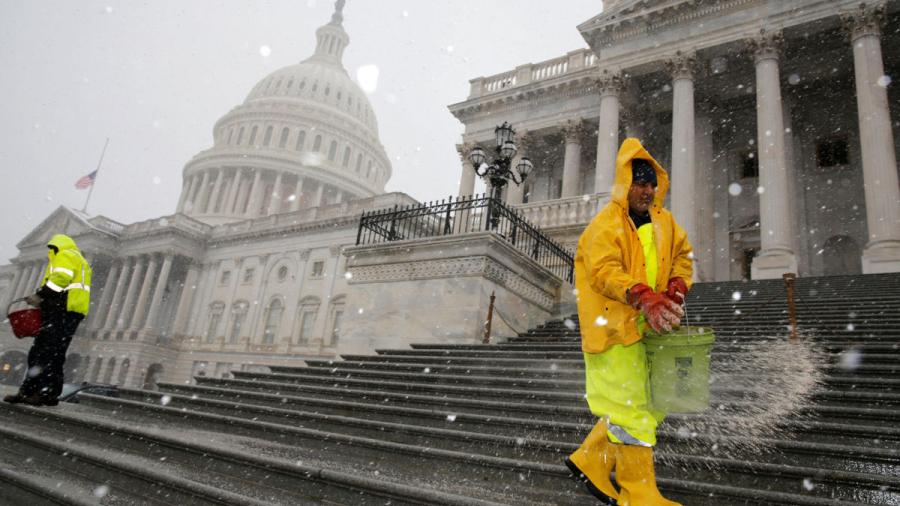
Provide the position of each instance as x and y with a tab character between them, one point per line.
10	305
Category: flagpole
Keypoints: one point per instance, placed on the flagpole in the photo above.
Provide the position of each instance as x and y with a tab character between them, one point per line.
96	175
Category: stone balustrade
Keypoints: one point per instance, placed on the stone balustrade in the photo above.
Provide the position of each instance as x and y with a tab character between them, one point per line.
567	212
571	62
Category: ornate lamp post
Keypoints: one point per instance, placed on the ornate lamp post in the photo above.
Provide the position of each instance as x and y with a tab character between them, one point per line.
498	171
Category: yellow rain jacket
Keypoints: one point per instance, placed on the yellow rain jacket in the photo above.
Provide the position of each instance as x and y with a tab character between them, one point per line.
610	260
68	273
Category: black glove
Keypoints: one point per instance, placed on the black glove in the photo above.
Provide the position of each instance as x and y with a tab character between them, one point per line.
33	300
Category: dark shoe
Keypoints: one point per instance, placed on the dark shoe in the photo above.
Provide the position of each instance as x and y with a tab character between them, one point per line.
14	398
37	400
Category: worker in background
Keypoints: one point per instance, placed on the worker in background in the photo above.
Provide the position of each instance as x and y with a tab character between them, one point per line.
64	299
633	268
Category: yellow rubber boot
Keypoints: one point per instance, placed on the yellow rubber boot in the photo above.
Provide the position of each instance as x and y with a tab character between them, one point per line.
636	477
593	462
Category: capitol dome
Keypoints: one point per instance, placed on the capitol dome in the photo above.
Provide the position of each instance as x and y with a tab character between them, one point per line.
305	136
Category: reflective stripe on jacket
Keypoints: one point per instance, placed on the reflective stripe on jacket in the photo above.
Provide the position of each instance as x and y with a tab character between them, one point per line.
610	258
67	271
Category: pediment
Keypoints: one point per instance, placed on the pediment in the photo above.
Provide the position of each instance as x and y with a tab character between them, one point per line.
61	221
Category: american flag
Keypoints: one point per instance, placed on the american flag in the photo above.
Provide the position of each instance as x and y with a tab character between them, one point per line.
86	181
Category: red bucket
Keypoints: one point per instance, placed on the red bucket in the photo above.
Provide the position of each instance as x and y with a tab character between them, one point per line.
24	322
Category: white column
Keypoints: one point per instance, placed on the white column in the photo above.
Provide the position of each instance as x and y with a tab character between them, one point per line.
320	194
188	293
127	310
19	282
776	256
160	290
879	161
683	172
116	302
231	196
298	194
28	284
707	219
102	310
275	201
610	85
205	286
515	193
323	323
214	196
186	186
255	194
573	130
140	309
467	177
240	206
11	289
200	198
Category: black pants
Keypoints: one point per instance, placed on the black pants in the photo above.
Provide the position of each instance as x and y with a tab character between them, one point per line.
48	354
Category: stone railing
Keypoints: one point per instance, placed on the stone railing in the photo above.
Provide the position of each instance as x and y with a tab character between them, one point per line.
173	221
572	62
106	224
567	212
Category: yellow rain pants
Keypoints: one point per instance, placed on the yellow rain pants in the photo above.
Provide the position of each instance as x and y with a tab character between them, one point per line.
617	381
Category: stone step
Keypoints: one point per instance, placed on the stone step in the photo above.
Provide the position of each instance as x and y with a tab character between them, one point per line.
221	454
558	404
534	451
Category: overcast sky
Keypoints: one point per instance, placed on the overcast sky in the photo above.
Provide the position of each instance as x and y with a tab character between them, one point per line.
154	76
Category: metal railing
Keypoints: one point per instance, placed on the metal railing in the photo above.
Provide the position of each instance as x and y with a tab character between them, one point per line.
463	215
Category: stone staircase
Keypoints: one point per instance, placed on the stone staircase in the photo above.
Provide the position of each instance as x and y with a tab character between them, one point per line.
490	424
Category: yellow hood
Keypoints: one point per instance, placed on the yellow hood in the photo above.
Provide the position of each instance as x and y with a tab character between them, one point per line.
631	148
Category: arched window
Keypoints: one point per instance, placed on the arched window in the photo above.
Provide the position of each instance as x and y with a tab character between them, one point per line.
369	170
216	309
309	308
346	160
290	83
240	138
282	142
238	316
336	316
317	144
273	320
358	162
332	151
267	139
230	135
253	135
301	140
123	372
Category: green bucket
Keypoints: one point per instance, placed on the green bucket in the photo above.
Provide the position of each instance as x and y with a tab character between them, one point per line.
679	368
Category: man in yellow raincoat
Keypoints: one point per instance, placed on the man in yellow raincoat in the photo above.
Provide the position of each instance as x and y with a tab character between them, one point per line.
64	298
633	268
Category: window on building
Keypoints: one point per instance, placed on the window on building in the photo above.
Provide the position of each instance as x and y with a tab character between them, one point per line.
307	323
358	162
216	310
248	274
225	277
346	161
253	131
239	314
98	366
301	139
267	138
303	84
290	83
369	170
337	315
332	151
832	152
230	135
317	143
273	320
282	273
749	164
240	138
318	269
282	142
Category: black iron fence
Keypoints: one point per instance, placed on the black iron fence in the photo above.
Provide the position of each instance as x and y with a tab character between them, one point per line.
460	216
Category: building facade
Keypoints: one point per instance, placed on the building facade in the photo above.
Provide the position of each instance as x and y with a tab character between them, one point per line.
248	272
776	120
